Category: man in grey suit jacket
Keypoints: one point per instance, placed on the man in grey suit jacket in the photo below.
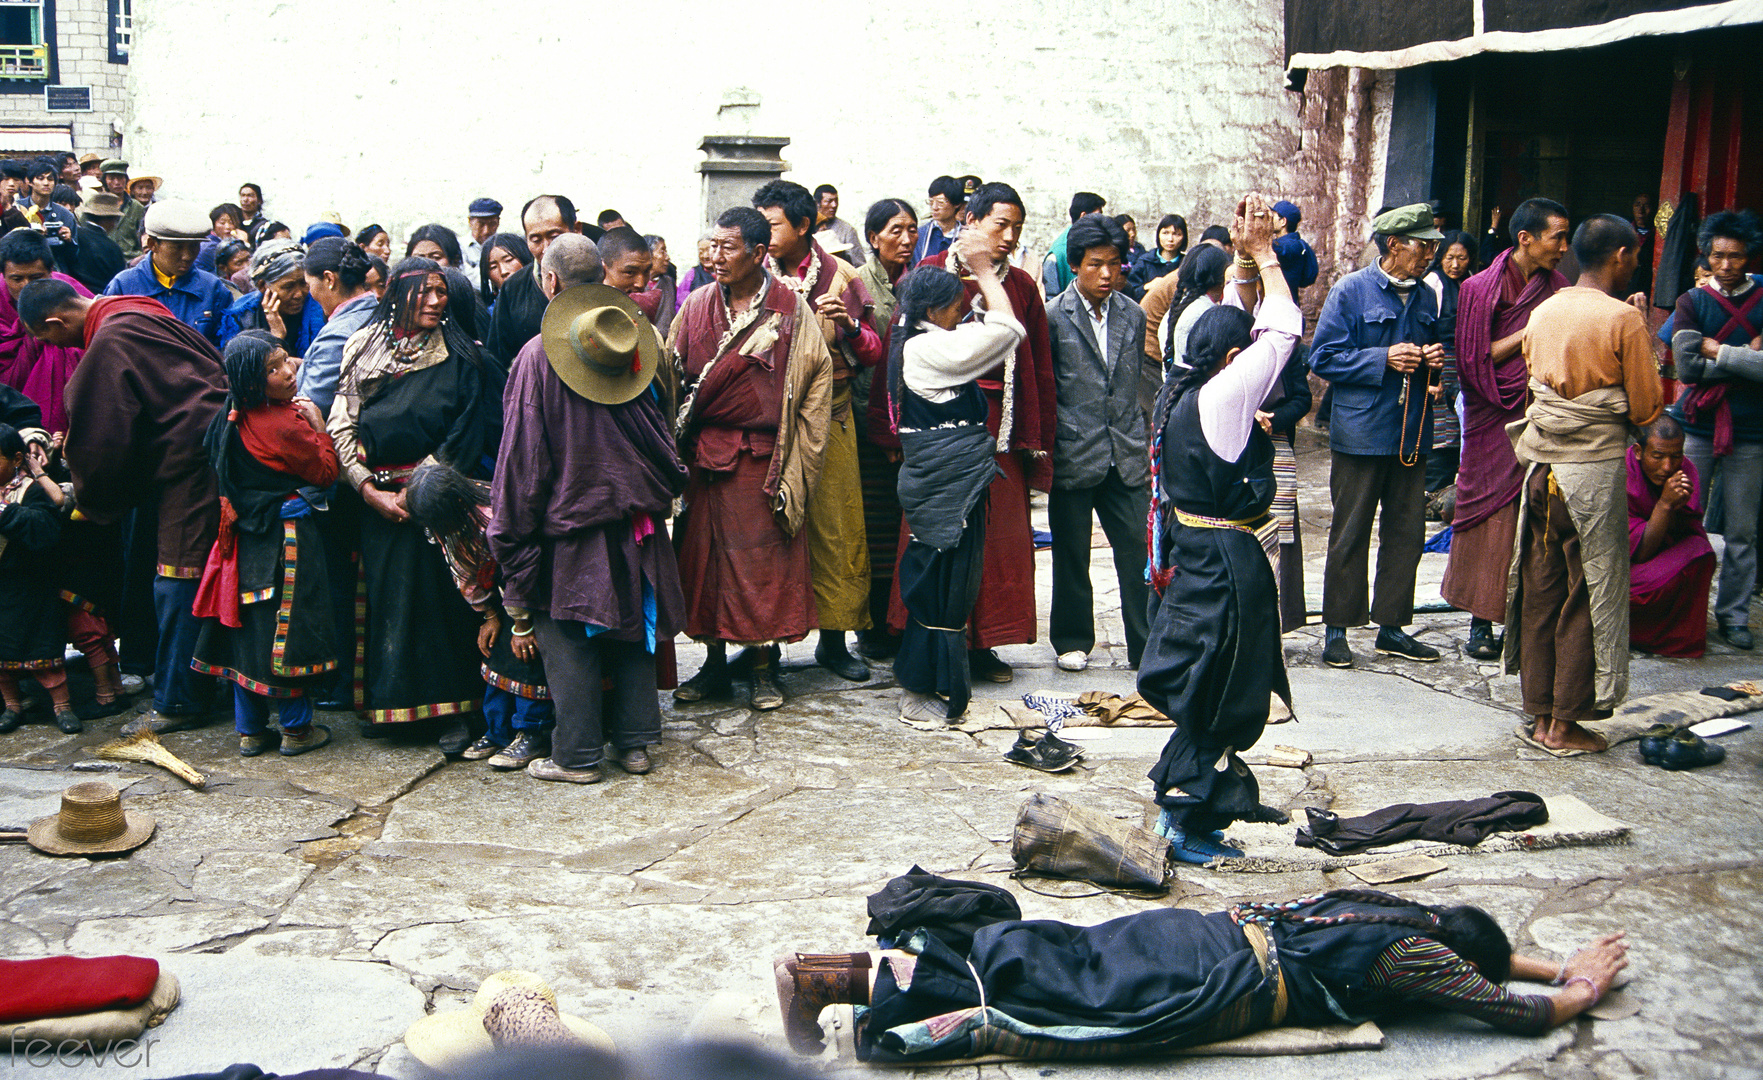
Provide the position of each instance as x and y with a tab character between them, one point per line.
1100	466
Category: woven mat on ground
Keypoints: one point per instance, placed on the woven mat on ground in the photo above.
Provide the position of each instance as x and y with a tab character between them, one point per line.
1095	708
1270	849
835	1023
1680	709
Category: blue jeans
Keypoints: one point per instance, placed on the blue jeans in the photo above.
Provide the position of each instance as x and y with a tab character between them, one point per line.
251	712
508	714
177	690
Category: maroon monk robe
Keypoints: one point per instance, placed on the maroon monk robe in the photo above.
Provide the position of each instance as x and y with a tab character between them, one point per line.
1668	593
1491	305
1005	614
745	580
138	408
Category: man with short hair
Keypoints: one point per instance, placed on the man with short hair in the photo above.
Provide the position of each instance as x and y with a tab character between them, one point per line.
251	202
100	257
608	219
1100	464
483	218
1493	308
1027	431
1376	343
1296	259
939	230
1671	563
752	427
627	261
1717	342
55	221
1592	375
520	306
1055	269
11	183
585	479
838	546
139	405
175	231
833	232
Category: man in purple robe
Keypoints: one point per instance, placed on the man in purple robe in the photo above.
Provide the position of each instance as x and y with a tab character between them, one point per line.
1493	308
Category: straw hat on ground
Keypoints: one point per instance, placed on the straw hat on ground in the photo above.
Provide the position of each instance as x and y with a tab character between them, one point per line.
512	1009
91	822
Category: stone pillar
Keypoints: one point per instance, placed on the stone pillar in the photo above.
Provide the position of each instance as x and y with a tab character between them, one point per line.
735	167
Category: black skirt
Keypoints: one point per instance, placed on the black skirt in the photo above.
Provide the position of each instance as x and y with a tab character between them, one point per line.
286	635
416	655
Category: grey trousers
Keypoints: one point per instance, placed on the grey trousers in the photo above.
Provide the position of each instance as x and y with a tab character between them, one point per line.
1361	485
628	715
1741	486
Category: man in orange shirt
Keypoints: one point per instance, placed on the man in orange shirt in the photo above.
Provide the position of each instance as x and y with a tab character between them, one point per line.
1592	376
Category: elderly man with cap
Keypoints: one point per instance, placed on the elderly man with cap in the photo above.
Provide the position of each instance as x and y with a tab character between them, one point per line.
585	480
100	257
1296	260
1377	344
138	409
114	174
169	275
483	217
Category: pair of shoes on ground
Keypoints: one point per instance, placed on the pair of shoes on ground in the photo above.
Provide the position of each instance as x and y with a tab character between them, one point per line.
1675	749
716	683
1391	641
1739	637
66	720
1043	751
521	751
291	743
634	761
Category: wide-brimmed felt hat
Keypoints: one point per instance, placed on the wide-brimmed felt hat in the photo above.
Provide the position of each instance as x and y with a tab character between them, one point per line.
90	159
101	204
91	822
599	343
512	1009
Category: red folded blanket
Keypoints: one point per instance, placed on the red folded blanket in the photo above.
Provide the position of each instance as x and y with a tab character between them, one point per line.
72	985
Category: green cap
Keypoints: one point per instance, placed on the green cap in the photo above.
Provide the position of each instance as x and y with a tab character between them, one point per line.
114	165
1412	221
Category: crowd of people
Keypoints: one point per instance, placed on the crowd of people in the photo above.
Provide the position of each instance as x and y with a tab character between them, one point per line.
497	476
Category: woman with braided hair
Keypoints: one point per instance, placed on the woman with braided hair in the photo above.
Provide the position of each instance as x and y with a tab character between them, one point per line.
1213	659
1160	980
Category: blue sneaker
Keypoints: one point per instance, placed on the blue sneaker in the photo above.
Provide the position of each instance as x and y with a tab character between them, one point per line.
1200	850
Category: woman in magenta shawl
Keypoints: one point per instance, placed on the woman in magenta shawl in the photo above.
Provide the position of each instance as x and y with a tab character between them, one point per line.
39	370
1671	561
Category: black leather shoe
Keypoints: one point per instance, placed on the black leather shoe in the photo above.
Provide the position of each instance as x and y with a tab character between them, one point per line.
710	684
10	721
1687	750
1739	637
1336	653
984	664
1392	641
836	659
1483	644
68	722
1653	740
454	737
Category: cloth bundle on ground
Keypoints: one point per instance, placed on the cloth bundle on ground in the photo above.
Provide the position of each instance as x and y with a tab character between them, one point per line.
94	1000
1056	839
952	908
1466	822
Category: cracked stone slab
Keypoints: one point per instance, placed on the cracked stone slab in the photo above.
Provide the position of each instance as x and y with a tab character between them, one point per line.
94	891
138	934
207	821
624	824
375	892
856	734
289	1016
260	879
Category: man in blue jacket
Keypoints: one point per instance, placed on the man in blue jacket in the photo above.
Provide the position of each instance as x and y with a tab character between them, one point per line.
175	231
1296	259
1377	344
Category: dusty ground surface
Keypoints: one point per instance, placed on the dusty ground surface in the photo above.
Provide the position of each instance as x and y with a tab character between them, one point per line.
314	907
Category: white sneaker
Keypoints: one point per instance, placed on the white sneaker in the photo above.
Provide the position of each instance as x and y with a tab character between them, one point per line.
1074	660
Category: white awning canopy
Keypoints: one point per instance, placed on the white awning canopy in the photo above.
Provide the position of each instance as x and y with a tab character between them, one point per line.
35	140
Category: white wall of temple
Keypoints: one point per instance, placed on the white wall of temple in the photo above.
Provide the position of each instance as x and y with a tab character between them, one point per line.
401	113
83	56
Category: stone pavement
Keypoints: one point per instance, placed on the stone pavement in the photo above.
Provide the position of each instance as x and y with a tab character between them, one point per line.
313	907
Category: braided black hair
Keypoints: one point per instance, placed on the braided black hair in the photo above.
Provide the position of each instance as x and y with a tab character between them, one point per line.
1467	931
1216	332
246	361
921	292
399	305
1200	272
